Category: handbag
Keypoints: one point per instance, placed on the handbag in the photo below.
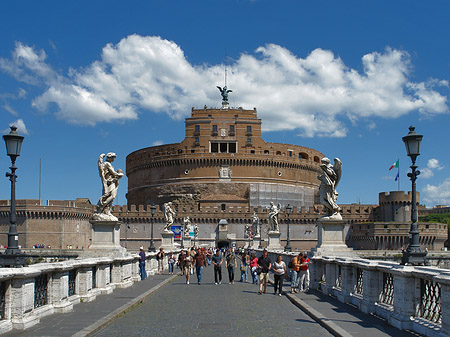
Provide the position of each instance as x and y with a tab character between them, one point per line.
258	271
243	268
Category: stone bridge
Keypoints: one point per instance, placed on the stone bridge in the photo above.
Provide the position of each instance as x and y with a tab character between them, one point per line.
105	297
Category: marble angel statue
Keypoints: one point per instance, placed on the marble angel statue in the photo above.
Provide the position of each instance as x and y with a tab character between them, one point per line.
330	177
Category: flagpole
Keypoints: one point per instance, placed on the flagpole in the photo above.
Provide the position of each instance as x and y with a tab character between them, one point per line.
398	173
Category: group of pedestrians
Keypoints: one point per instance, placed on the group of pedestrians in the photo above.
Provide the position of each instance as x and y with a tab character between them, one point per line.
250	266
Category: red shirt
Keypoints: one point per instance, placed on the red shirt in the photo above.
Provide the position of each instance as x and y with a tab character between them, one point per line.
304	260
200	260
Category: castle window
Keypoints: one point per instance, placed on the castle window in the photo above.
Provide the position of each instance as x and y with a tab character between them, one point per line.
249	140
180	151
303	156
223	147
266	151
197	128
232	147
316	159
290	153
249	130
214	147
223	207
197	140
252	151
214	130
231	132
278	153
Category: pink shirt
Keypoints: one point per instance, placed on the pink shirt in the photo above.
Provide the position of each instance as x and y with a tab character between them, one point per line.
254	262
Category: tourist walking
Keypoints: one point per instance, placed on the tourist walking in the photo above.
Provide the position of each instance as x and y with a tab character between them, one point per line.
200	262
171	262
245	261
180	262
230	264
304	273
295	272
253	266
279	269
265	264
160	259
142	270
217	262
188	263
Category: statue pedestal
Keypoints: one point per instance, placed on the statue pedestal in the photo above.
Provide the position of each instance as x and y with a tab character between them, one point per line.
106	237
274	240
255	242
331	239
167	240
187	242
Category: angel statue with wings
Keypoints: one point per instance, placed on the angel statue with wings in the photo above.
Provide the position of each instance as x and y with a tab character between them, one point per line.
330	177
110	181
224	92
273	217
169	213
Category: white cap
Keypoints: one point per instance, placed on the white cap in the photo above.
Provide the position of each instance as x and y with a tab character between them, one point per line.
141	248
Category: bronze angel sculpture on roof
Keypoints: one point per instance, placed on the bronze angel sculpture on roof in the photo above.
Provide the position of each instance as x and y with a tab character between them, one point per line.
224	92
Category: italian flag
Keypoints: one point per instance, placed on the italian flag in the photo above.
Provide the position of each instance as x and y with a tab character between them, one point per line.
395	165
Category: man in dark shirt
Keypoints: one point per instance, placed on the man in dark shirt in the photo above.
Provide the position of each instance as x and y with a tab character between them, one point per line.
217	262
265	264
142	270
200	260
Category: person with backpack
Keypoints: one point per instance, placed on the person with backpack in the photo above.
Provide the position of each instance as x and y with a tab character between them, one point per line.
295	272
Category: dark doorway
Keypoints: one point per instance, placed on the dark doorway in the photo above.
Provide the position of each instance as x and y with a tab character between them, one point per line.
223	244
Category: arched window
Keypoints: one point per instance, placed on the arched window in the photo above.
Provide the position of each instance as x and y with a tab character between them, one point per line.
223	207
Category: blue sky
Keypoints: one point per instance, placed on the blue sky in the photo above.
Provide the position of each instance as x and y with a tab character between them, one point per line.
347	78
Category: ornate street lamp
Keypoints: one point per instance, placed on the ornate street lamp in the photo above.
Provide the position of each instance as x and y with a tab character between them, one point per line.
152	248
182	235
413	255
288	241
12	256
260	232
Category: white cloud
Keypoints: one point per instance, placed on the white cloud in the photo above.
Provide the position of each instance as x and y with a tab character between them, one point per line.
157	143
433	164
437	195
10	109
314	94
21	127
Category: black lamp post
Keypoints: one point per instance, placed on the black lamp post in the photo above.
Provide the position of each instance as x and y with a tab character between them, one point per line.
152	248
260	233
288	241
413	255
182	235
12	256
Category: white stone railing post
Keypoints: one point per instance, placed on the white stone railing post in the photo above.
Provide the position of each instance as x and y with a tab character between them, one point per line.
444	281
59	291
405	297
371	286
103	277
85	284
22	301
330	274
346	282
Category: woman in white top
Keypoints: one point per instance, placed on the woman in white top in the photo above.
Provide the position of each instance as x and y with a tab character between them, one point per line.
279	269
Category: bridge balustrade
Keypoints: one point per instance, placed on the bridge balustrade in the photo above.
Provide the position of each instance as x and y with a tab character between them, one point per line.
30	293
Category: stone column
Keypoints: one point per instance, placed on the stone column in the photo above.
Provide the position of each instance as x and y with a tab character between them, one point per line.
22	302
371	288
60	292
347	278
444	281
103	279
404	297
330	274
85	284
167	240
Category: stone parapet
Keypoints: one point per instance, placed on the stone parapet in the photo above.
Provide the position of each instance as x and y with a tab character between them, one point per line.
408	297
30	293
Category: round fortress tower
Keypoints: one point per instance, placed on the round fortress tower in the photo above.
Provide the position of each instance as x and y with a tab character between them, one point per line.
223	154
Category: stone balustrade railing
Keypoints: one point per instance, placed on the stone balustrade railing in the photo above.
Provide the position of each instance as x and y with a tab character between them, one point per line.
29	293
413	298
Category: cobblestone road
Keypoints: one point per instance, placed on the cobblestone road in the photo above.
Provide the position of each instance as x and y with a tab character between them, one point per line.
214	310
